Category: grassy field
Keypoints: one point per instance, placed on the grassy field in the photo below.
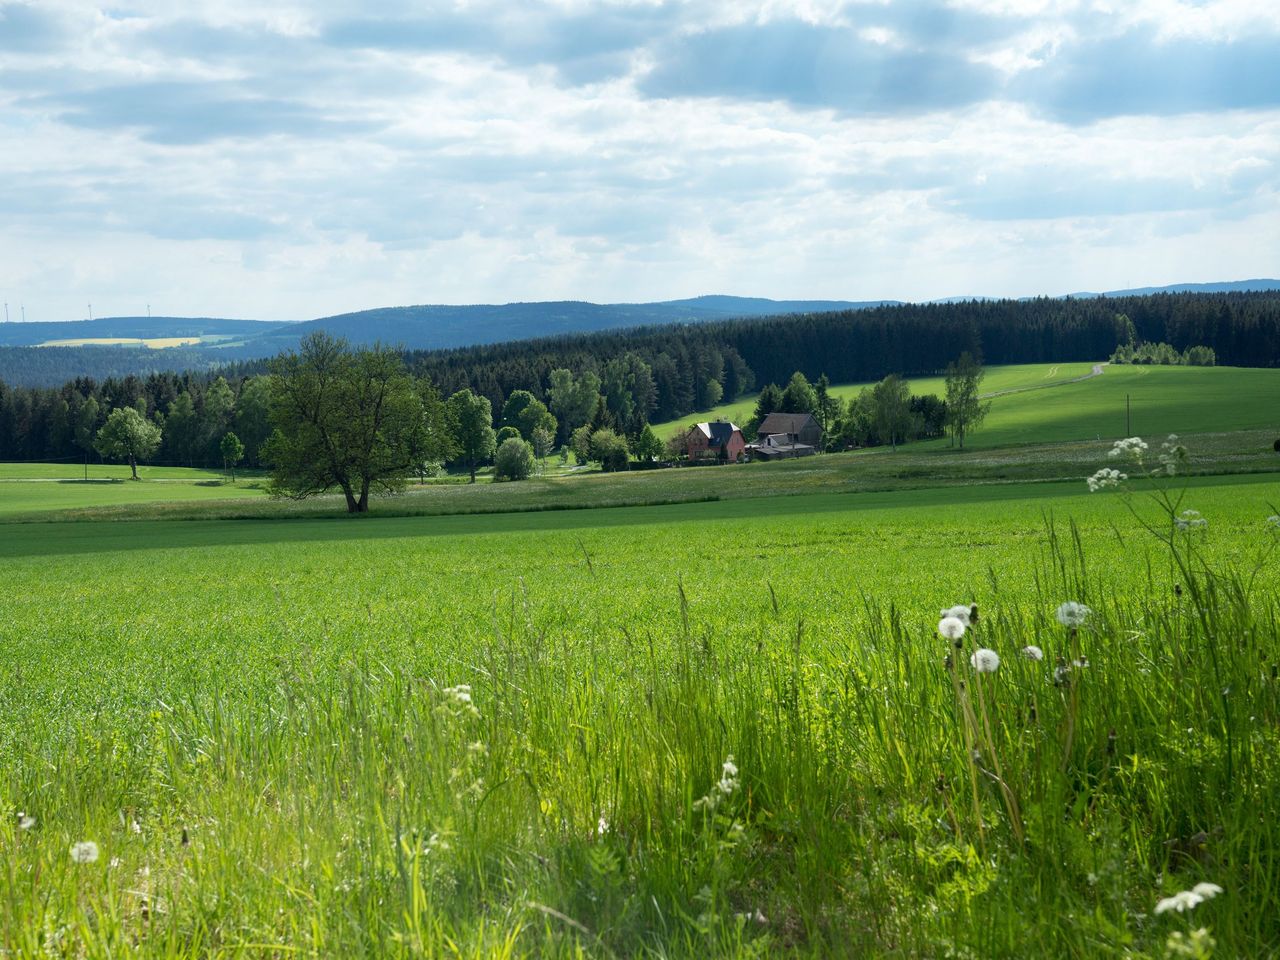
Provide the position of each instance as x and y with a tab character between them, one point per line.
1162	400
1030	376
913	467
27	488
714	719
261	727
155	343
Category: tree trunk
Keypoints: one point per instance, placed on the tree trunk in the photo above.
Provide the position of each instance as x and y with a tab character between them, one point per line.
352	505
363	505
133	465
472	464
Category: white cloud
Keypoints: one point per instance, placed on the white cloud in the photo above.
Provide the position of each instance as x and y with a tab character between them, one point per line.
254	162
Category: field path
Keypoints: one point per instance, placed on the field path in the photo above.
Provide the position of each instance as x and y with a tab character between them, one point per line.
1095	372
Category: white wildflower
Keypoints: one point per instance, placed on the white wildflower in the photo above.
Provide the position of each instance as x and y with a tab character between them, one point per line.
1172	453
724	787
602	825
951	627
1181	901
459	694
1072	614
1104	478
1189	899
962	612
1032	652
985	661
86	851
457	700
25	821
1131	447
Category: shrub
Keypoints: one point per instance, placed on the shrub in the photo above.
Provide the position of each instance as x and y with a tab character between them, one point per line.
514	460
508	433
610	450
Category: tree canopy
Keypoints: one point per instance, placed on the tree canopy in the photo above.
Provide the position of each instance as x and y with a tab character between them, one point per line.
342	418
964	406
128	435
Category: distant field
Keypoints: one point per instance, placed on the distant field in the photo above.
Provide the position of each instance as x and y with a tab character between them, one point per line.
998	379
1162	400
38	487
155	343
109	471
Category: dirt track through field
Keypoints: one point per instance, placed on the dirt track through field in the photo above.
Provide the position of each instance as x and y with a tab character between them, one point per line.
1095	372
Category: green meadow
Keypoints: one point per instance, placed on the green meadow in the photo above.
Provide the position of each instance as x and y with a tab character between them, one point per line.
677	713
1038	403
261	727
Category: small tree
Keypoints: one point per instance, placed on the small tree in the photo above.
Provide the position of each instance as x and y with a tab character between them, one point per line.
508	433
514	460
610	449
799	396
86	427
127	435
232	451
891	409
965	409
580	443
648	447
472	419
543	440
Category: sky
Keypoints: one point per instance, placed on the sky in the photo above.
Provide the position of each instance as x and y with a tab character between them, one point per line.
289	160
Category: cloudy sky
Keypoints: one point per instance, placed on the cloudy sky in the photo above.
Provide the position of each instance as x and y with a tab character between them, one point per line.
292	159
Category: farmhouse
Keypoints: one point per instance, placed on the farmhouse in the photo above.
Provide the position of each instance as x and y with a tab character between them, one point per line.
792	428
719	439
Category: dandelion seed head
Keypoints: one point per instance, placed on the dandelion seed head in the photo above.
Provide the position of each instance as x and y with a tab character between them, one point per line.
1032	652
962	612
25	821
985	661
1190	520
951	627
86	851
1072	614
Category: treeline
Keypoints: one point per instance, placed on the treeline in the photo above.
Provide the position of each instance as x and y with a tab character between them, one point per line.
43	366
193	411
622	380
1243	329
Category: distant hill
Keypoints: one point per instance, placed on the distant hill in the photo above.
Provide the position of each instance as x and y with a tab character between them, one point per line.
430	327
1227	286
33	333
423	327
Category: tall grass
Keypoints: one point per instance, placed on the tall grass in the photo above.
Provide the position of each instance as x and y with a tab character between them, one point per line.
888	800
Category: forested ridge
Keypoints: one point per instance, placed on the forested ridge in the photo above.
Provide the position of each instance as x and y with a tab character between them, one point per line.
864	345
664	372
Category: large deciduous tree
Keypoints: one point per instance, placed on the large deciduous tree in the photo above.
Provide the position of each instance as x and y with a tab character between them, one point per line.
965	408
128	435
344	419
